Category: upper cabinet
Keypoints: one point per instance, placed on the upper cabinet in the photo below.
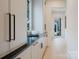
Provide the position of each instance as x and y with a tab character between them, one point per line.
4	28
18	11
13	27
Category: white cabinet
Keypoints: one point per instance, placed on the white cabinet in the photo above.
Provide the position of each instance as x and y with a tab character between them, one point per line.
43	46
36	51
4	30
25	54
18	9
11	10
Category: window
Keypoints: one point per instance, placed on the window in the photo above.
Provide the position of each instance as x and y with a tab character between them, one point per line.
29	15
28	10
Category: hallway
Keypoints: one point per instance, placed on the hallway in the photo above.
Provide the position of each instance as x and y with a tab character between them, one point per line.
57	50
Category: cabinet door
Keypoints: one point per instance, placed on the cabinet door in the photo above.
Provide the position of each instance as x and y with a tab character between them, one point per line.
36	51
18	9
4	27
43	46
25	54
45	41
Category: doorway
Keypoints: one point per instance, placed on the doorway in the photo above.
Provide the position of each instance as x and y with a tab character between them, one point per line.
57	27
58	24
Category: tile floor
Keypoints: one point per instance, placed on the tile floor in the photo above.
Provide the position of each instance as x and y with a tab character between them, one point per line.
57	50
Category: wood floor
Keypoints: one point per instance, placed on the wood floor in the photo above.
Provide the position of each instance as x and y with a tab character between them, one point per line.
57	50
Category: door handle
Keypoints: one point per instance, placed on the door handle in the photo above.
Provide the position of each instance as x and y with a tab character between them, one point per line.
65	22
41	45
13	27
8	25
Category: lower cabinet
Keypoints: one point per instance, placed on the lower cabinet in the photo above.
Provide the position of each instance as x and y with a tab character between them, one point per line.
43	46
25	54
36	51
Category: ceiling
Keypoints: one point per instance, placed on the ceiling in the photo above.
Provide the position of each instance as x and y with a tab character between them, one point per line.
53	0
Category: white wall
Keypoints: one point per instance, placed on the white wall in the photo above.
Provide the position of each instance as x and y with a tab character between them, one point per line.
56	3
72	27
38	15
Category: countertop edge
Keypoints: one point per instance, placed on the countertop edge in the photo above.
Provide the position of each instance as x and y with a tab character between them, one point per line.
16	52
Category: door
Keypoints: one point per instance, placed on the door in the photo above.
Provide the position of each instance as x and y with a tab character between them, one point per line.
18	13
4	27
